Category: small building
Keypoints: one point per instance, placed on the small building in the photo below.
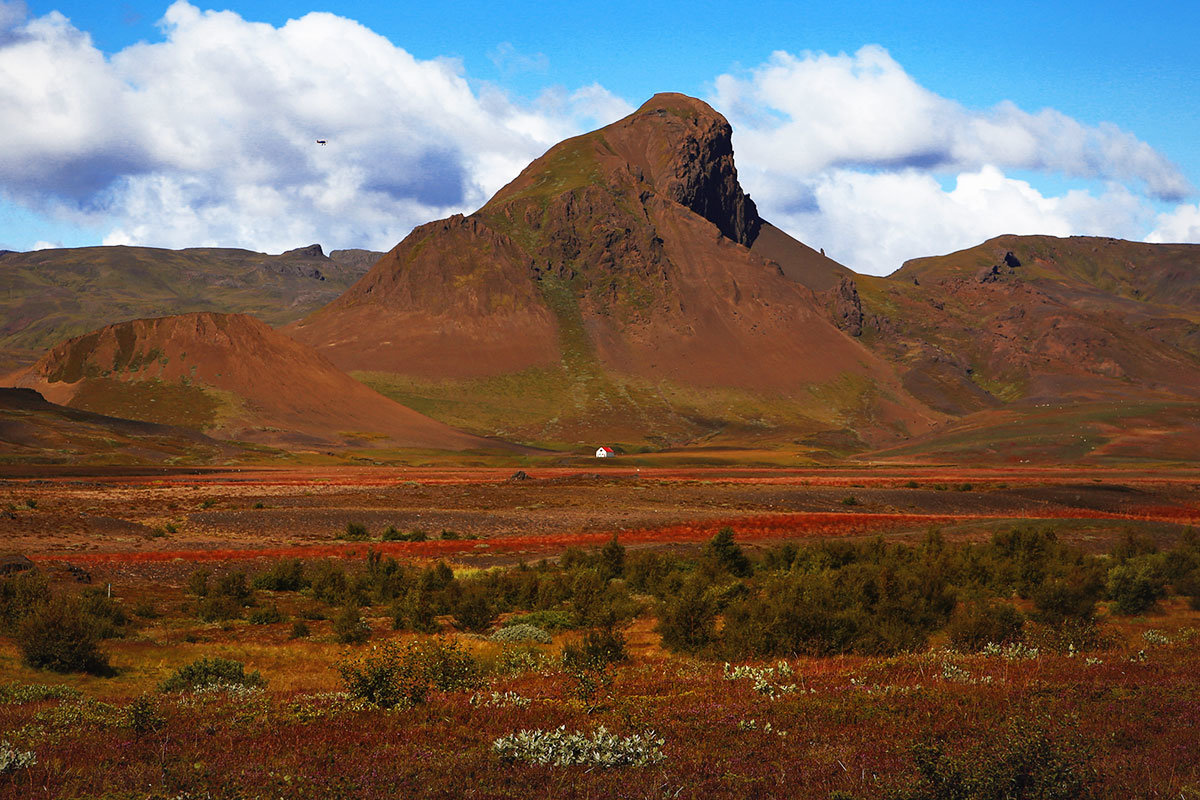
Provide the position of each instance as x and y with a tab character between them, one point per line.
604	451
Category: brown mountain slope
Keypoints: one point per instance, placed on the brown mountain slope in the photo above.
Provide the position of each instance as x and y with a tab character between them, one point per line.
232	377
615	275
47	296
1036	319
34	430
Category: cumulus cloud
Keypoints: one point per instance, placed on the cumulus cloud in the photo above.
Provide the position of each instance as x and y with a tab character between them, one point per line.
876	221
845	152
1180	225
209	137
819	111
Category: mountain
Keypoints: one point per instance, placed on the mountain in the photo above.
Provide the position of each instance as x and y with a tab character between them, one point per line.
623	286
232	377
1044	348
50	295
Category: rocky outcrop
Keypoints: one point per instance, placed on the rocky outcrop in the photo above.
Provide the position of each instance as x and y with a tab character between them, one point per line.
847	307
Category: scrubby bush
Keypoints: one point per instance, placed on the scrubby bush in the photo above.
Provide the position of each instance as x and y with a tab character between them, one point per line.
723	552
975	625
198	582
687	622
549	620
356	532
1067	598
559	748
1026	764
474	611
266	616
597	648
20	594
286	575
12	759
299	629
1136	586
513	634
349	627
60	636
110	618
392	674
205	672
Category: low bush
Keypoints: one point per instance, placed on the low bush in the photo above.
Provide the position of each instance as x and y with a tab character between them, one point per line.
20	594
474	611
973	626
60	636
560	748
299	630
266	616
286	575
205	672
1025	764
549	620
349	627
12	759
1136	586
515	634
392	674
356	532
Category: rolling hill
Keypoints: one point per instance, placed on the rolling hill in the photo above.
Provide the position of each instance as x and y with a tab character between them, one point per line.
232	377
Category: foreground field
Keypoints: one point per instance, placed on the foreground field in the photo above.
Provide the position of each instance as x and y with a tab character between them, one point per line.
887	703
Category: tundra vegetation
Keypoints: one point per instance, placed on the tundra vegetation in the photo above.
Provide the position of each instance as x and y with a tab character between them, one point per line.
1020	666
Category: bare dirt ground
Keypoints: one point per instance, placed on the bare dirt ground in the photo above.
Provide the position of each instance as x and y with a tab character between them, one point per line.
162	520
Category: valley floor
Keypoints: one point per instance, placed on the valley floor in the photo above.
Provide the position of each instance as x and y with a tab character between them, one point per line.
1121	718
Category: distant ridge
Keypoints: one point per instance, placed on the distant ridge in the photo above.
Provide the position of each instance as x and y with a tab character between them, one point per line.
50	295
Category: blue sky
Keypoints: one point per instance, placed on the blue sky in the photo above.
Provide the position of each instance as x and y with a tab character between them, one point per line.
880	131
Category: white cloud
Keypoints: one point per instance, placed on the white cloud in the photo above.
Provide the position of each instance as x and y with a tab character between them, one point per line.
876	221
1180	225
821	111
843	151
209	137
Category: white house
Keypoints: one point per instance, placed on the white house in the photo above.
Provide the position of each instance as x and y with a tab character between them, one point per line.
605	452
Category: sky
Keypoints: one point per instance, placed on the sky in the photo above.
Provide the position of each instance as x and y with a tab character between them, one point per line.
877	131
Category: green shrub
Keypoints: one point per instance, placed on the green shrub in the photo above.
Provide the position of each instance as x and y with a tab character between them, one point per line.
724	553
60	636
1026	764
217	608
393	535
349	627
143	717
20	594
1067	598
266	616
110	617
299	630
514	634
198	582
392	674
356	532
549	620
597	648
205	672
1136	586
973	626
286	575
234	586
474	611
687	621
